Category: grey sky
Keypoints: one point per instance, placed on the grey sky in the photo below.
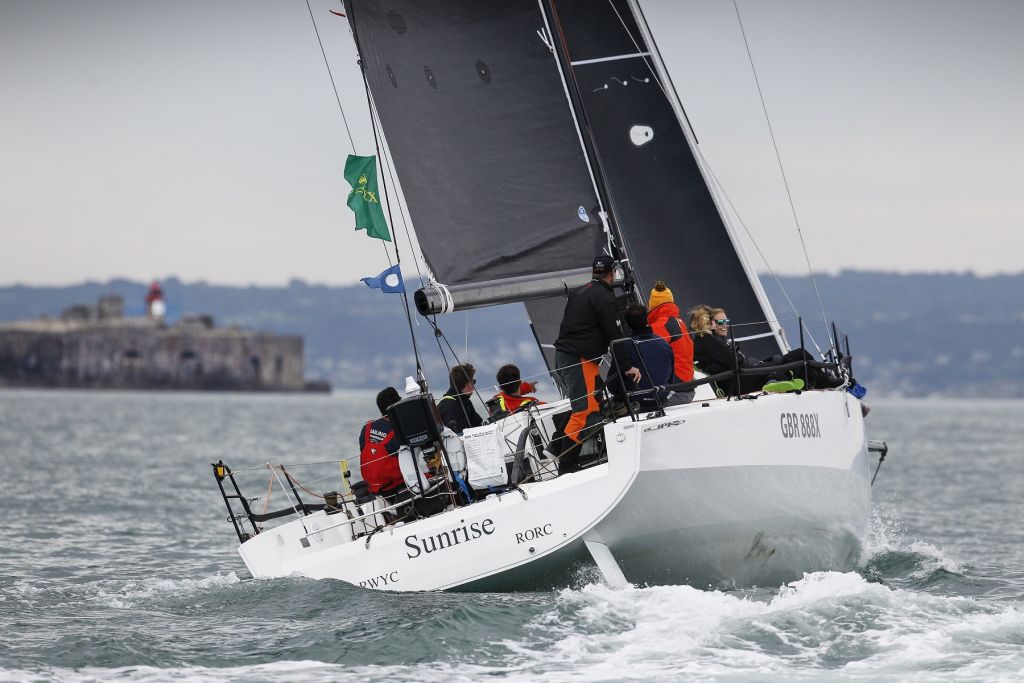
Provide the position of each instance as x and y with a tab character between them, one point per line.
202	139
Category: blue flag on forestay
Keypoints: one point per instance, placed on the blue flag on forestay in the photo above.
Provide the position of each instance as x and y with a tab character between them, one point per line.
390	281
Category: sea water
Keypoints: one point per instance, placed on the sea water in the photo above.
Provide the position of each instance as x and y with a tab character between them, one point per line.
117	562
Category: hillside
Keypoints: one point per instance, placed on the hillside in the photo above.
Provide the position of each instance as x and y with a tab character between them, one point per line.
911	335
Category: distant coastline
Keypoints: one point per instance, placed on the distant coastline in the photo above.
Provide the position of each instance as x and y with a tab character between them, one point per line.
99	347
914	335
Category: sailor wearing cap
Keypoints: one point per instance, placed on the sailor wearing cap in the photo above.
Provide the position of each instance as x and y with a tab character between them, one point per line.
590	323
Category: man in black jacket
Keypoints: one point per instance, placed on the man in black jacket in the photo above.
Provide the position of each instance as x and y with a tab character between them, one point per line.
456	406
590	323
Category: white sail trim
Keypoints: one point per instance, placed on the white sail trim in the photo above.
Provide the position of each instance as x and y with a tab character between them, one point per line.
611	59
755	336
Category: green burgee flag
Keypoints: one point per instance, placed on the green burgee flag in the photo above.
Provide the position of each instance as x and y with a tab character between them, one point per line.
364	200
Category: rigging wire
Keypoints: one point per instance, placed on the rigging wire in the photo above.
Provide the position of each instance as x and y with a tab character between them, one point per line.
421	377
782	170
337	97
771	271
699	153
402	209
439	335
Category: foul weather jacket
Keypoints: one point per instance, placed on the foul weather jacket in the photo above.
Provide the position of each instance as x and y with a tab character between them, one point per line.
667	324
457	411
378	456
654	357
713	353
590	323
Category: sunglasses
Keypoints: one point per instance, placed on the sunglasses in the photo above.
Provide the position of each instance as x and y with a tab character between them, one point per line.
723	321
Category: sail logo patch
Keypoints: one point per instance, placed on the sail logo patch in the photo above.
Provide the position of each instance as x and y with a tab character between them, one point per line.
641	135
583	215
800	425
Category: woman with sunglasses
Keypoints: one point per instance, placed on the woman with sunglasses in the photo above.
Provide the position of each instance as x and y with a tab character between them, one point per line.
713	352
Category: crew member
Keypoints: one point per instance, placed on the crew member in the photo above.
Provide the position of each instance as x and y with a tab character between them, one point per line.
589	325
663	317
650	352
378	449
456	406
511	391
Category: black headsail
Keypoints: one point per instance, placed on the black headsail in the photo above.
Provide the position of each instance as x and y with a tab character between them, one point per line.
473	108
660	199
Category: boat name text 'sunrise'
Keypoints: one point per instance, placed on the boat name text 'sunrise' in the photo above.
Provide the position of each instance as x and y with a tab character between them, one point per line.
447	539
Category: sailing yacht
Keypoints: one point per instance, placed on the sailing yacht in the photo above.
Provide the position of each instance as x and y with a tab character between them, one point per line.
528	136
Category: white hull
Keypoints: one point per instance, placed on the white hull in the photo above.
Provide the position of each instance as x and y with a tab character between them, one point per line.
755	504
690	497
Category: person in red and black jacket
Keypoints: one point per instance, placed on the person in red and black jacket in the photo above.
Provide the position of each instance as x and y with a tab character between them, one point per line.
512	391
378	449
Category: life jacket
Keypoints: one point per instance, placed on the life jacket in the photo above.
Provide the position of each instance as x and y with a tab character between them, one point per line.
667	324
379	469
511	404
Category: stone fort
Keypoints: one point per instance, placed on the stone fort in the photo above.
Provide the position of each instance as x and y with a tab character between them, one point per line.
99	347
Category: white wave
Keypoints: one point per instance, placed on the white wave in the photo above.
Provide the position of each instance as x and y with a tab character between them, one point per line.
811	625
828	625
936	558
302	671
114	593
125	595
887	535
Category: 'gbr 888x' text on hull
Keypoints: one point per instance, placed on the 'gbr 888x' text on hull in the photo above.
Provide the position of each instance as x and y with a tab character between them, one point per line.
734	493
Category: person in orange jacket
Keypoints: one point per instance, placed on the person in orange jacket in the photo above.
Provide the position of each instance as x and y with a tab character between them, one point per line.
663	317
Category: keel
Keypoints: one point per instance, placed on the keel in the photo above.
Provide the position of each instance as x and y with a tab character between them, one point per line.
605	561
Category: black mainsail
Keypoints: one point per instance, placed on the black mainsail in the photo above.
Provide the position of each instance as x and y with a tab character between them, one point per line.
474	112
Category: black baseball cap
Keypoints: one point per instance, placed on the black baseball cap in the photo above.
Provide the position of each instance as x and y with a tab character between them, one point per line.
603	263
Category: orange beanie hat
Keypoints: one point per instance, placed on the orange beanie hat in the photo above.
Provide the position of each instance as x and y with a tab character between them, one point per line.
661	294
